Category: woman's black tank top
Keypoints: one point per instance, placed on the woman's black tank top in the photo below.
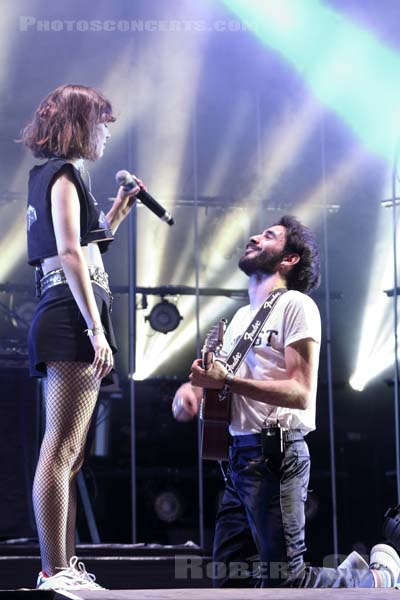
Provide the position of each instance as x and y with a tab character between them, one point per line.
40	231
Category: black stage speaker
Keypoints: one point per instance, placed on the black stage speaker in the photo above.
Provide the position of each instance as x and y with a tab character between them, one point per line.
19	427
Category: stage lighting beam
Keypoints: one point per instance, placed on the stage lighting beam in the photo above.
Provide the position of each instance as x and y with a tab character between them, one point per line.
347	68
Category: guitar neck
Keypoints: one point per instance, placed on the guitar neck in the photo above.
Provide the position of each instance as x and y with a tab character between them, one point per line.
207	360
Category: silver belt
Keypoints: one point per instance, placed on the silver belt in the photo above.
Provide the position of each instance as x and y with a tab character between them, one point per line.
57	277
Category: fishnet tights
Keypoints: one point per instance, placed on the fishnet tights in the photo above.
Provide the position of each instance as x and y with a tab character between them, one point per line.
71	392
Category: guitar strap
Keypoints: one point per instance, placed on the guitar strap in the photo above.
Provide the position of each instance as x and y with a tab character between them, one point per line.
241	349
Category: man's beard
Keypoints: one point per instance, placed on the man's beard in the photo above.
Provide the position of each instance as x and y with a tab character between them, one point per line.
262	263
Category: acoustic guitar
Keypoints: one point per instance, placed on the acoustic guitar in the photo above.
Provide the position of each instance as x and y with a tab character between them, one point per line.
215	406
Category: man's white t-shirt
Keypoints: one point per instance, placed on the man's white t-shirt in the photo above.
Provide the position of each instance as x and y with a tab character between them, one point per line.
294	317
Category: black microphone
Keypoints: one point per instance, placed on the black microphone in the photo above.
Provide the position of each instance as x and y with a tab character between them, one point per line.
125	179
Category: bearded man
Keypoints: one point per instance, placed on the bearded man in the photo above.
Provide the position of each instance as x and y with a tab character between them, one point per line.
260	527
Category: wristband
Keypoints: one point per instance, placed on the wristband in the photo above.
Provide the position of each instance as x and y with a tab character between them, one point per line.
97	330
229	379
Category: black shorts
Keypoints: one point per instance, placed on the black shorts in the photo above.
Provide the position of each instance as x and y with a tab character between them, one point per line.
57	331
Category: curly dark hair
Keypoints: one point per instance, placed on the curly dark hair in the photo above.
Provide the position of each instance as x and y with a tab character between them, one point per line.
64	124
305	275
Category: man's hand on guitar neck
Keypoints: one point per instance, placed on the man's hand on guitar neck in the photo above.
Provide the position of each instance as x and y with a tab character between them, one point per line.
185	404
212	379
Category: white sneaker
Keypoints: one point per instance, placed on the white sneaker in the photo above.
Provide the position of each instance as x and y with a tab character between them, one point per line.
354	561
385	557
74	577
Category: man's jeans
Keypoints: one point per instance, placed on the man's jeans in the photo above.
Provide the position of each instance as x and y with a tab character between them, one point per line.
259	536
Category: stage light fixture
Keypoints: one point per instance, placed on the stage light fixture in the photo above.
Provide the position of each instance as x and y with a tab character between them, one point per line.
25	312
164	317
168	506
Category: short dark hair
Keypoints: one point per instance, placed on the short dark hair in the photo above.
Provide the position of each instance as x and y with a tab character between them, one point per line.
64	124
305	275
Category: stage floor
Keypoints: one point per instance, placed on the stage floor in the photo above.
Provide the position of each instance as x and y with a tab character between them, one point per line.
132	573
206	594
237	594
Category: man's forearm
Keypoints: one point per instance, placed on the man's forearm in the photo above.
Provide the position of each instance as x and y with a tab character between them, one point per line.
288	393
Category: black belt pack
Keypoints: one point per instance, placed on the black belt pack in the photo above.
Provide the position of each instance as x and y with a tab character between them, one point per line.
272	441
